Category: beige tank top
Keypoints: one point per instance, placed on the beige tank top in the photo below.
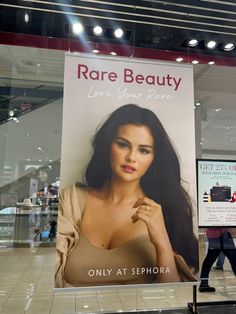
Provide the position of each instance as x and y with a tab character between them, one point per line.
132	262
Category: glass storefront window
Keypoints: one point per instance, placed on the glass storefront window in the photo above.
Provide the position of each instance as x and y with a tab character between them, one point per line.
31	102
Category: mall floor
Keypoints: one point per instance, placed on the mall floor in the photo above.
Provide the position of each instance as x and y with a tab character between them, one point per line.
26	286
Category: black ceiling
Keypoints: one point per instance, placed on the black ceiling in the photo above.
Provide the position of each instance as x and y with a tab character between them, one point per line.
162	25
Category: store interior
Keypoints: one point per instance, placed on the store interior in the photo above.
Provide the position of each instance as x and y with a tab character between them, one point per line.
31	102
31	177
31	158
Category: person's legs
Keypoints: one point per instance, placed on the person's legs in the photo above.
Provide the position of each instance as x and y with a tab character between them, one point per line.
229	249
220	261
231	255
209	260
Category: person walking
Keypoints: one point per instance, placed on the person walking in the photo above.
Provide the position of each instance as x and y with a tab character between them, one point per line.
220	240
52	232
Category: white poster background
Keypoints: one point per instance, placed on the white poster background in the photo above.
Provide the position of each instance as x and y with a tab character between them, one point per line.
222	175
88	102
94	86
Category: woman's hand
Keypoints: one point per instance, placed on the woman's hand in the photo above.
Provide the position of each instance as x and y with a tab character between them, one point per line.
151	214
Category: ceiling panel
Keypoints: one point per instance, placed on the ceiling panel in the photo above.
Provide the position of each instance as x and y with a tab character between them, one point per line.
163	25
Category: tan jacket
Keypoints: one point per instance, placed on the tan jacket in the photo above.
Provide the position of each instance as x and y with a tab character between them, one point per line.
71	204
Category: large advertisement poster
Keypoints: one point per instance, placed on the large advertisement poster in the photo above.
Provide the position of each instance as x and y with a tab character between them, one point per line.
127	203
216	192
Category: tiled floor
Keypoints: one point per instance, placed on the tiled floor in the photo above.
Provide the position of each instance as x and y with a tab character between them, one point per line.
26	286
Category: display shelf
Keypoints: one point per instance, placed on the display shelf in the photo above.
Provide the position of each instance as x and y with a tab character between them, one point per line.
21	227
7	226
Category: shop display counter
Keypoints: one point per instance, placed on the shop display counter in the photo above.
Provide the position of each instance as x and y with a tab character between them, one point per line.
7	224
26	225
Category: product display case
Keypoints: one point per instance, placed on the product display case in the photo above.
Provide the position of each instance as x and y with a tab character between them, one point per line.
7	225
27	224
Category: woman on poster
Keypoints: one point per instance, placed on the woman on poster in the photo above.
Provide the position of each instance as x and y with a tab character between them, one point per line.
130	222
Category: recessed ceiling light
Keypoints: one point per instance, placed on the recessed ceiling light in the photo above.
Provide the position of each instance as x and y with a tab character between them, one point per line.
197	104
218	109
195	62
95	50
98	30
228	46
211	44
118	33
26	17
179	59
113	53
77	28
193	42
211	62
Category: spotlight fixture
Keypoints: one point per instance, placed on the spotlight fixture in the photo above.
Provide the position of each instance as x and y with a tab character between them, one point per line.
118	33
198	104
211	44
192	42
26	17
179	59
211	62
77	28
195	62
95	51
228	46
113	53
98	30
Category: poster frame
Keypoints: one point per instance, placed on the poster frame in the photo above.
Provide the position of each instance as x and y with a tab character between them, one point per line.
141	62
197	189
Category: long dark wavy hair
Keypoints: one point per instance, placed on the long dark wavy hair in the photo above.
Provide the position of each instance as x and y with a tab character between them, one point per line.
162	181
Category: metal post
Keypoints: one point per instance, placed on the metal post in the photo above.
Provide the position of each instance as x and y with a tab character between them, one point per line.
195	299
